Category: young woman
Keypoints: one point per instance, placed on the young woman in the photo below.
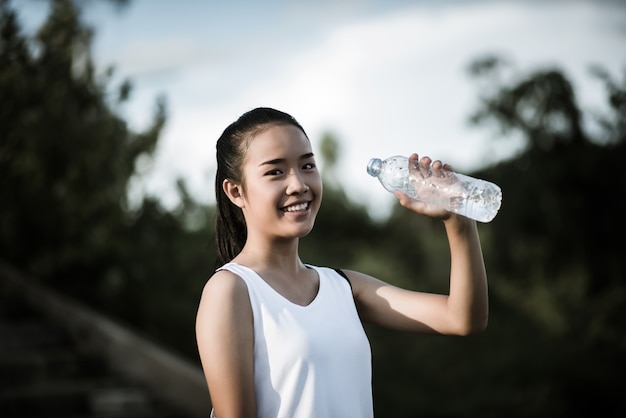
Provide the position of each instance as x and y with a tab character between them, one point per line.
282	339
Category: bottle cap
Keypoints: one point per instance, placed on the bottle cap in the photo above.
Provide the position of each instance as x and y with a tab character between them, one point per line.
374	167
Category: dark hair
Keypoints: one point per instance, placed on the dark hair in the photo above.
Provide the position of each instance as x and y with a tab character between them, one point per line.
230	225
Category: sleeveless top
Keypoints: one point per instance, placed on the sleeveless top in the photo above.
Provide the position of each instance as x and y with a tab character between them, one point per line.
310	361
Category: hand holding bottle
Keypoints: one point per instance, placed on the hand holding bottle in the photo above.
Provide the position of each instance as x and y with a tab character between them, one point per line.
436	185
434	171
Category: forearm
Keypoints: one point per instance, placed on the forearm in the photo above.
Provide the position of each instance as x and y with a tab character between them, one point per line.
468	300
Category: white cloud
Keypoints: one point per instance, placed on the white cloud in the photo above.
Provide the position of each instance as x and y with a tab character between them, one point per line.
391	84
147	57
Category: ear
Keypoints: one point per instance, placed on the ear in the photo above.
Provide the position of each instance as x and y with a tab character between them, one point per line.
234	192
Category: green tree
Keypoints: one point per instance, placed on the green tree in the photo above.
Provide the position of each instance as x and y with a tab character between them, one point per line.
564	208
66	159
555	251
65	156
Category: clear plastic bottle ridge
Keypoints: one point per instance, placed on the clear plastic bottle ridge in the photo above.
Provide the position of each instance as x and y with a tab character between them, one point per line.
474	198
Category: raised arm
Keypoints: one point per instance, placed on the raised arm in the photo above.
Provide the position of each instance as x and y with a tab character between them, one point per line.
225	337
463	311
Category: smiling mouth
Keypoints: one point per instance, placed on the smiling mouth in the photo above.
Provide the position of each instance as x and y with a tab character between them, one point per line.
296	208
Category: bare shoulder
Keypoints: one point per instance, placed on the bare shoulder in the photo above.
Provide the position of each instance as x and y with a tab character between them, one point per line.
224	294
364	290
361	282
225	283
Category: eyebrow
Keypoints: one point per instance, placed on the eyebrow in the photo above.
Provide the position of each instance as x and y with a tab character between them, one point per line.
282	160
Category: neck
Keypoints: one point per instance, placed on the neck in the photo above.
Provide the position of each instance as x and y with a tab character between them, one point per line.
281	254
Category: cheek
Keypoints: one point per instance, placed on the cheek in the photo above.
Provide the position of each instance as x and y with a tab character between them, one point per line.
318	190
316	184
262	194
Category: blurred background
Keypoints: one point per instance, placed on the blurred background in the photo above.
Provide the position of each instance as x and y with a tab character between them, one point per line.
109	113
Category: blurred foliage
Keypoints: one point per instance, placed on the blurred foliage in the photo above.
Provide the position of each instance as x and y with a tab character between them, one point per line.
66	159
556	342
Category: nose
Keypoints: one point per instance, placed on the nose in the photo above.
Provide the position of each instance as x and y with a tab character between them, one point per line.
297	184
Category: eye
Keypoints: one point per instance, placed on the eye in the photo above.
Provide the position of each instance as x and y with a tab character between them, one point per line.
309	166
274	172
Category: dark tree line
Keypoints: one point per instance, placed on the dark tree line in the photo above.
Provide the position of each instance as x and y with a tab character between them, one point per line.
66	160
555	345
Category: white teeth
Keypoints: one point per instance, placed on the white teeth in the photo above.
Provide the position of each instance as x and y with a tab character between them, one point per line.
295	208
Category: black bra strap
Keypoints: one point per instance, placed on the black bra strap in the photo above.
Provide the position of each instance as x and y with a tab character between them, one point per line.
342	274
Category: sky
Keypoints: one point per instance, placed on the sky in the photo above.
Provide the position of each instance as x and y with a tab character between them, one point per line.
385	77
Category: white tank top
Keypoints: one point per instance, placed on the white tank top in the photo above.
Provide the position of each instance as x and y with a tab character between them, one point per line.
310	361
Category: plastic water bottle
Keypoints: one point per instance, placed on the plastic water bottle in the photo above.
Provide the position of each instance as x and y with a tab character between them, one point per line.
470	197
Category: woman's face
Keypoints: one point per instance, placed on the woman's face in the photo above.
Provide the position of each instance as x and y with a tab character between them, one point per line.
282	189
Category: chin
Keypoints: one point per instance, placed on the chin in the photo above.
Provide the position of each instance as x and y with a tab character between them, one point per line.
302	232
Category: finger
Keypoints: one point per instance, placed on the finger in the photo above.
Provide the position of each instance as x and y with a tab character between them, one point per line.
403	198
438	169
424	167
406	201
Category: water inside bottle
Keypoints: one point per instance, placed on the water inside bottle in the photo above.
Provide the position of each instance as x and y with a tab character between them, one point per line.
482	204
